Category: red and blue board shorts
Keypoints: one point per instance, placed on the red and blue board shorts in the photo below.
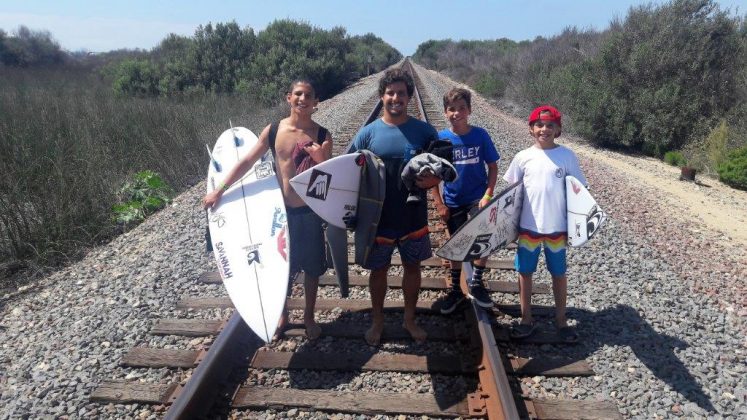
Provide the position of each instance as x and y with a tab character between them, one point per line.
413	248
530	245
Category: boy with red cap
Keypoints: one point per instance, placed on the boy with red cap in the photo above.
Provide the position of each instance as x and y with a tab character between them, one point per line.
542	168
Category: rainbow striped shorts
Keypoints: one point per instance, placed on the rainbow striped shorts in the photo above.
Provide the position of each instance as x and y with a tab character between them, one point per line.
530	244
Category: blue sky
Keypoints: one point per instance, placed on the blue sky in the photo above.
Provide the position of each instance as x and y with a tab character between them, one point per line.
106	25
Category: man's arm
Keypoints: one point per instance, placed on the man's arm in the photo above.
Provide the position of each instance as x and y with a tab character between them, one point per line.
438	201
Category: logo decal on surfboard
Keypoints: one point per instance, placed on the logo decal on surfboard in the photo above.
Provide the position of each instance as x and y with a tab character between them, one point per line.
252	255
278	220
509	200
223	265
282	245
319	185
219	219
479	246
264	170
594	221
493	216
576	188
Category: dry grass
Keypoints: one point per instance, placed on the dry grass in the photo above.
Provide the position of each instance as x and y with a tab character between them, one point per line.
67	144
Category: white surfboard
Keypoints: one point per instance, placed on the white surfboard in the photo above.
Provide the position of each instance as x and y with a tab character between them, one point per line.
585	217
331	187
248	230
491	228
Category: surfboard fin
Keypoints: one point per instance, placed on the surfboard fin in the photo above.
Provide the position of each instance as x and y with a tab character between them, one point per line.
214	162
236	140
337	250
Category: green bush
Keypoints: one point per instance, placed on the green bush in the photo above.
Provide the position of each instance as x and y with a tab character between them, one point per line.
733	171
674	158
716	144
490	85
144	195
136	77
656	80
224	58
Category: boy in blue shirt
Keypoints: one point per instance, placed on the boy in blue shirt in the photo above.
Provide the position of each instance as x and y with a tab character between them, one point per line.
472	190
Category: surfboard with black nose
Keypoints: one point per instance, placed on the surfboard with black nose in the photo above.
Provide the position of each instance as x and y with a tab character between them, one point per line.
249	234
331	190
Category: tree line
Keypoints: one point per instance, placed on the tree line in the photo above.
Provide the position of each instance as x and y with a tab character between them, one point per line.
666	78
224	58
220	58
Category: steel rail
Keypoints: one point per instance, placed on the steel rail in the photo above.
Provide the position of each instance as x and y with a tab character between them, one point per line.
498	398
197	397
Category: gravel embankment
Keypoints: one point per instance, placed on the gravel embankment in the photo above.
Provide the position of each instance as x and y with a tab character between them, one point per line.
657	302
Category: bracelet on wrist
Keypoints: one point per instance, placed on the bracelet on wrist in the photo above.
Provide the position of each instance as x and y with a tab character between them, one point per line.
487	197
223	187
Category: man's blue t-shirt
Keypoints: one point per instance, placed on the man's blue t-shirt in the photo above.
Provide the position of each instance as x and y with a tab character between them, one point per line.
472	152
395	145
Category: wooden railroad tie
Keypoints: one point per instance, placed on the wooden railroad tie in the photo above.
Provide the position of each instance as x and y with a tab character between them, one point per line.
427	283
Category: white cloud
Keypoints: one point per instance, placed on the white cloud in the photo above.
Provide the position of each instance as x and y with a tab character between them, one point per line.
97	34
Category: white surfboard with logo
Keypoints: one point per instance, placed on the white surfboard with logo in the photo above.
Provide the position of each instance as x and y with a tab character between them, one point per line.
331	187
491	228
585	217
249	234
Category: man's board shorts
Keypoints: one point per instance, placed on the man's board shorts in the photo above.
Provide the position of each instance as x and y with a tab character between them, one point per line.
413	248
530	244
458	216
307	250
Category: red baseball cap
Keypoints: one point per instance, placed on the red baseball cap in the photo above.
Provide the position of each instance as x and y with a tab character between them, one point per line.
554	114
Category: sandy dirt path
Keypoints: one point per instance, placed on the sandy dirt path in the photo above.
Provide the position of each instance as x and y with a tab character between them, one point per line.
714	205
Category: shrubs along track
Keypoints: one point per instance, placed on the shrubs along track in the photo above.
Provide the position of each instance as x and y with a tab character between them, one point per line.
68	144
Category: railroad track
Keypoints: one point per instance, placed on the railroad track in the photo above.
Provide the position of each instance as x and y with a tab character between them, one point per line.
468	367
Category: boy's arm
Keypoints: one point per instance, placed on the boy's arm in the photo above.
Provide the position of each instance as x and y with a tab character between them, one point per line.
573	167
492	178
513	173
241	168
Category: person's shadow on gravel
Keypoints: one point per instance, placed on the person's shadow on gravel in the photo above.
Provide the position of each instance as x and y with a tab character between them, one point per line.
622	326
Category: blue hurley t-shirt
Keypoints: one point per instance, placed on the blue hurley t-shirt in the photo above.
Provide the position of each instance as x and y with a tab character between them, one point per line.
472	152
395	145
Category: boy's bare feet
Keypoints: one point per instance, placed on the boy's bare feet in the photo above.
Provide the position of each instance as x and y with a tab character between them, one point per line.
313	330
418	334
373	335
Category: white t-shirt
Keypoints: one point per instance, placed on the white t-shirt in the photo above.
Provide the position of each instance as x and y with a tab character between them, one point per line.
543	173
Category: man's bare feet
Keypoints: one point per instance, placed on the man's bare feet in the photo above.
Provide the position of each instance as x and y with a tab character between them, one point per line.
418	334
373	335
313	330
